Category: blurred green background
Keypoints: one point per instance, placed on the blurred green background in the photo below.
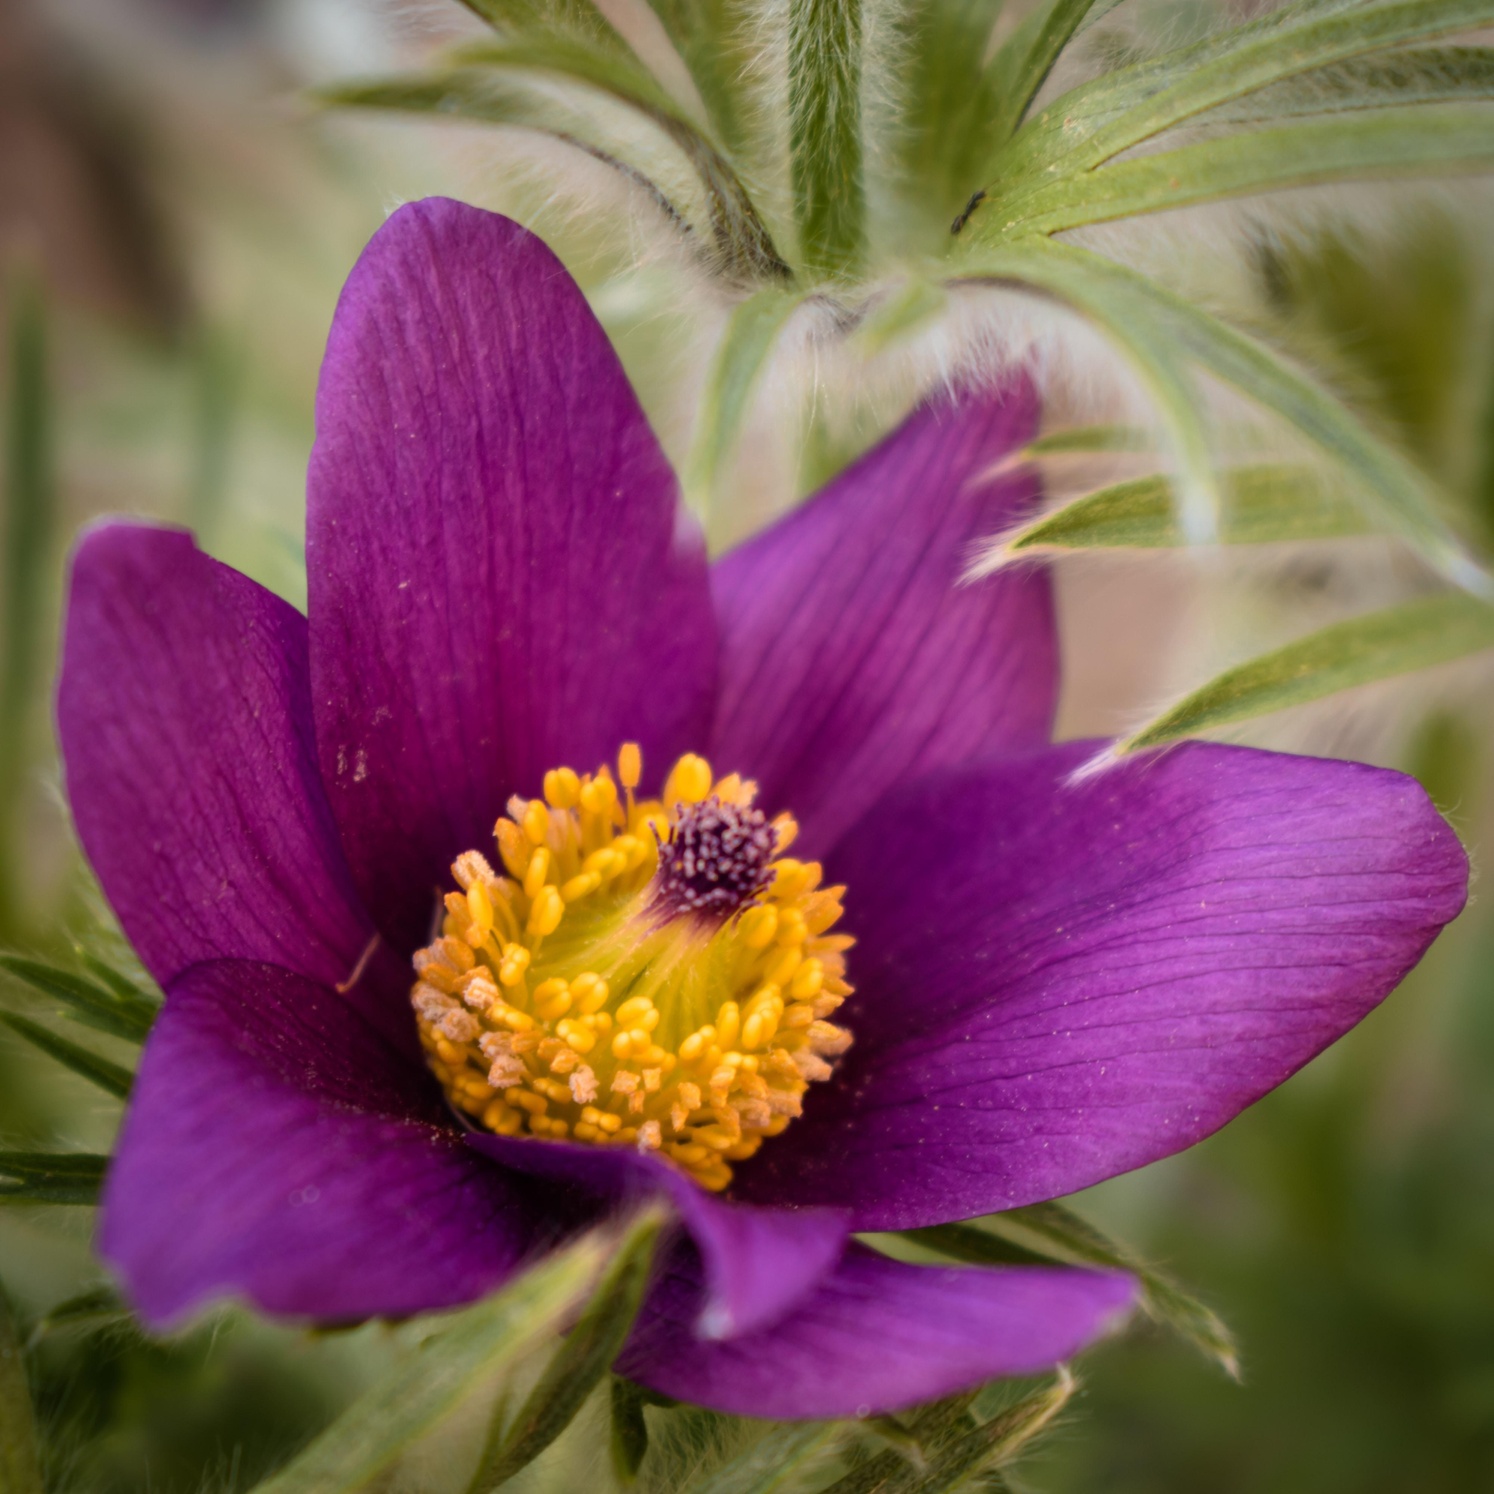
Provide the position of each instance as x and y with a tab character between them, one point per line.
174	228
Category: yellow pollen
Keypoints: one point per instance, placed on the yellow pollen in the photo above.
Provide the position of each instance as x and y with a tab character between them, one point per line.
644	973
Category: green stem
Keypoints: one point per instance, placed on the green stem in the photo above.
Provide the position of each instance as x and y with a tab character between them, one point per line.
825	133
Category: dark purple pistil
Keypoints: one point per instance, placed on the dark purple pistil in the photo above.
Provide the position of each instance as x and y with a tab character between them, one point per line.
716	860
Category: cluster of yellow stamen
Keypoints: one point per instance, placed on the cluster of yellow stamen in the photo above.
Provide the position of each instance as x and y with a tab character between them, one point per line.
645	973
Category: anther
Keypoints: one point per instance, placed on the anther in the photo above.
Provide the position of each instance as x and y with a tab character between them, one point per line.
683	905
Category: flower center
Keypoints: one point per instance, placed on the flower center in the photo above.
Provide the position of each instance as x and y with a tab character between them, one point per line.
647	973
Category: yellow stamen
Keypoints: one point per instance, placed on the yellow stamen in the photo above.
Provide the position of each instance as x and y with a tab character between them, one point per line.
654	973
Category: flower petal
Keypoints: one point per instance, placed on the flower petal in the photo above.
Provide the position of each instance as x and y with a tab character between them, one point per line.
876	1335
501	579
1057	982
279	1151
184	713
851	655
758	1263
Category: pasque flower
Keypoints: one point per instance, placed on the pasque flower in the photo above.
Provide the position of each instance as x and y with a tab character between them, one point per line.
401	1051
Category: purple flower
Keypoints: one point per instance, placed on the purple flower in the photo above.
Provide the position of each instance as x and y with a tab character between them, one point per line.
1053	982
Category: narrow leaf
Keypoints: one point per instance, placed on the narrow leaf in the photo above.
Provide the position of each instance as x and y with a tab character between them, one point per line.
977	1246
483	1342
825	133
20	1464
128	991
996	1441
488	98
712	38
1423	140
1118	308
51	1177
769	1463
1261	505
1092	123
92	1308
932	1428
746	345
950	101
1432	630
109	1076
629	1429
1085	439
1022	64
475	88
87	1000
29	500
907	310
1050	1231
1424	75
1124	301
580	1362
741	238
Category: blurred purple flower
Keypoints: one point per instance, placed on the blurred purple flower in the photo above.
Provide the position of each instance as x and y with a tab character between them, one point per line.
1055	982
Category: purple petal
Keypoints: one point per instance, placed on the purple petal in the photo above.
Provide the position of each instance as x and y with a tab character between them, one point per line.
758	1262
851	655
279	1151
184	714
501	579
875	1336
1057	983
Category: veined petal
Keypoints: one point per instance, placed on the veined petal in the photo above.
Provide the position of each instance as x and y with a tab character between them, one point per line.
184	713
876	1335
1057	982
277	1150
758	1263
851	655
500	576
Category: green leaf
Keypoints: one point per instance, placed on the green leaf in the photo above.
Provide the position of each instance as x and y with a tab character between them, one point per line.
1377	646
94	1308
996	1441
1423	140
975	1245
741	239
629	1429
930	1429
1118	308
906	310
51	1177
576	18
1262	505
109	1076
713	39
482	1343
1123	301
769	1463
751	331
128	991
20	1464
825	134
952	1446
474	87
580	1362
1092	123
29	500
89	1002
489	98
1023	62
949	101
1424	75
1050	1231
1086	439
